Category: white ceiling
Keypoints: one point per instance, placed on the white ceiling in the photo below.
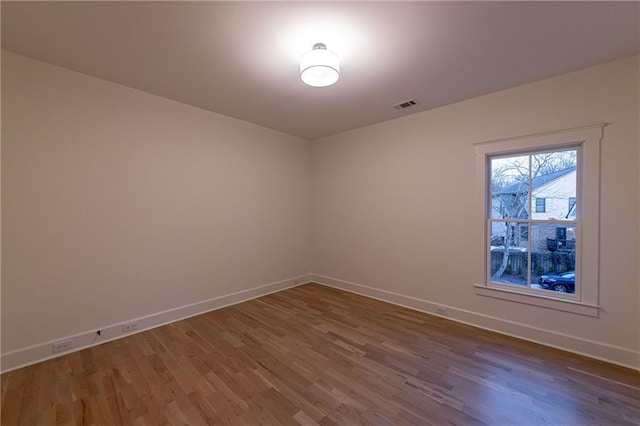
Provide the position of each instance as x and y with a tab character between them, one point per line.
241	59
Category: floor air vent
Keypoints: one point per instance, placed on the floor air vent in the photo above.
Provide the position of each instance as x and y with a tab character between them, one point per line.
405	104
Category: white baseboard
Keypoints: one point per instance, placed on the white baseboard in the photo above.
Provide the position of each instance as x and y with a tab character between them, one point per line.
613	354
598	350
43	351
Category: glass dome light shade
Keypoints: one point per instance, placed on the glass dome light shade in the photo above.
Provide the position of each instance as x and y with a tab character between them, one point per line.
319	67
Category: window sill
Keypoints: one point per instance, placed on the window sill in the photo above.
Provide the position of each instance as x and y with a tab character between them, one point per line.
538	300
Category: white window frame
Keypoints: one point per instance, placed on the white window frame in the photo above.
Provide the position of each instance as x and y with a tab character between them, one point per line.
587	140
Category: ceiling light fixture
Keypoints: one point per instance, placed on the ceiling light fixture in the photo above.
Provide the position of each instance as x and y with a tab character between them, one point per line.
319	67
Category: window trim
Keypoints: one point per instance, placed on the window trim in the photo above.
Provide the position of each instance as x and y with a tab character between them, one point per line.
588	139
543	209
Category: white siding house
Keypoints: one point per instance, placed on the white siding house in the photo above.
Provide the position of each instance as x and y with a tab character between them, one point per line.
557	197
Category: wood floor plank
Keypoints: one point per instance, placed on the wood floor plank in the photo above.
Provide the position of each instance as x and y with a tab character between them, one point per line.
314	355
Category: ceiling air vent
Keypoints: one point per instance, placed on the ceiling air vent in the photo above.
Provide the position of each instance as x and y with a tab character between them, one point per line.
405	104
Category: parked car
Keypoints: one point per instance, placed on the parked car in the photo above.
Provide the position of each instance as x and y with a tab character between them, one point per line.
564	283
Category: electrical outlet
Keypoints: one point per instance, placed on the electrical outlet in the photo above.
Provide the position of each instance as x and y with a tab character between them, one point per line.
62	346
128	328
441	310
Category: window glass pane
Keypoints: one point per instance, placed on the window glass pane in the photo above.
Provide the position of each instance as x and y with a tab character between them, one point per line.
508	254
510	187
553	181
527	189
553	256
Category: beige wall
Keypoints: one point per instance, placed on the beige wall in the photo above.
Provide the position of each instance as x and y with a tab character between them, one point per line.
119	204
392	201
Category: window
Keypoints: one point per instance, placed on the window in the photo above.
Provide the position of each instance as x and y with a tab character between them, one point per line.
514	179
524	232
534	251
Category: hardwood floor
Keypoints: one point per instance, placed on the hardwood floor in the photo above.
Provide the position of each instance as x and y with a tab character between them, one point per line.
315	355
